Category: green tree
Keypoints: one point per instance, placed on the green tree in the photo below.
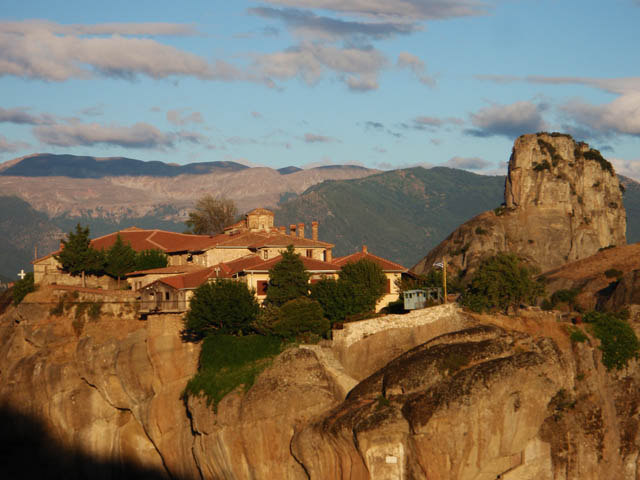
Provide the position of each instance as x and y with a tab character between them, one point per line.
78	257
120	259
336	297
223	306
618	341
211	215
501	281
301	318
287	279
22	287
368	281
148	259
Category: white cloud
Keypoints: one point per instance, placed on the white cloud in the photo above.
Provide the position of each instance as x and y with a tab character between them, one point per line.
417	66
55	52
314	138
413	9
311	61
180	117
628	168
508	120
21	115
308	25
139	135
8	146
467	163
621	116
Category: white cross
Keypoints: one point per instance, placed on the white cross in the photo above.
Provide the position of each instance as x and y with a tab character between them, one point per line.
22	274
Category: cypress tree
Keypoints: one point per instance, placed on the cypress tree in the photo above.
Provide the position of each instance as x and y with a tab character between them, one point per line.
121	259
287	279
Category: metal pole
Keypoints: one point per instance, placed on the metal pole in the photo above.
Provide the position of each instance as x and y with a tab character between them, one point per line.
444	277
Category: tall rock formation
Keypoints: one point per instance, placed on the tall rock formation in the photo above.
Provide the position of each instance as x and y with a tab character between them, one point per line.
562	202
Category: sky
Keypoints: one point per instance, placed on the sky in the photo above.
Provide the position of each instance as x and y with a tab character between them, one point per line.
381	83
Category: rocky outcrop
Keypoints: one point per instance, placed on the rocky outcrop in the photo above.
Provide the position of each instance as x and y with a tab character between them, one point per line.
487	396
562	202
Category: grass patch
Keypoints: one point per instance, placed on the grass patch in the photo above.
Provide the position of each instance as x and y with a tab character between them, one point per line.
227	362
577	335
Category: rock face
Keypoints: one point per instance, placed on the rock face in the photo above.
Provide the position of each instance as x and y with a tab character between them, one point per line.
483	398
562	202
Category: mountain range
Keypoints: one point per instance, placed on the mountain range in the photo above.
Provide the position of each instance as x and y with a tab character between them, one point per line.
398	214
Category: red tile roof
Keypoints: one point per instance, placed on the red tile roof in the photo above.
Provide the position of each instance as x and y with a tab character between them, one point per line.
171	269
310	264
386	265
189	280
168	242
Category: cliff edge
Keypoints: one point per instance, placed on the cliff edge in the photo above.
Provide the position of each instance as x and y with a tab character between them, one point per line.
562	202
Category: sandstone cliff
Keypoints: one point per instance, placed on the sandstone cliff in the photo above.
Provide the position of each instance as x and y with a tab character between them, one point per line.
438	394
562	202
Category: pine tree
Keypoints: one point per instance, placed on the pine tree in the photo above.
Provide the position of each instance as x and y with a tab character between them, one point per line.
287	279
78	257
121	259
148	259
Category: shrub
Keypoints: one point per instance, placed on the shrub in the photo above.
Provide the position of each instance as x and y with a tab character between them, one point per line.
544	165
596	156
287	279
564	296
500	282
227	362
337	298
613	273
618	341
94	310
22	287
577	335
301	318
266	319
481	231
224	306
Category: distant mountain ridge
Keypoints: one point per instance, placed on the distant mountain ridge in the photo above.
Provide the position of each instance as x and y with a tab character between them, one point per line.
74	166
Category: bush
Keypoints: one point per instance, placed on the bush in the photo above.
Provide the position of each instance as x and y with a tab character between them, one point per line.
301	318
577	336
336	297
613	273
23	287
500	282
564	296
618	341
224	306
227	361
94	310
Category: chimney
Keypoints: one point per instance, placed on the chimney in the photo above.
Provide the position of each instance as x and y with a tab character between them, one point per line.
314	230
282	229
292	229
327	255
301	230
364	249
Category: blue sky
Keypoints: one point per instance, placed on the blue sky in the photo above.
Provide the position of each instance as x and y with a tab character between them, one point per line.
384	84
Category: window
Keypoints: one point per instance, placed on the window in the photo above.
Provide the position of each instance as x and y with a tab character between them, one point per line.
262	287
166	295
388	286
265	254
309	253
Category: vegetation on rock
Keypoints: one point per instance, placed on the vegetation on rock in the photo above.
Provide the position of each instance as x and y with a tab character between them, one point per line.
301	319
22	287
618	341
500	282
